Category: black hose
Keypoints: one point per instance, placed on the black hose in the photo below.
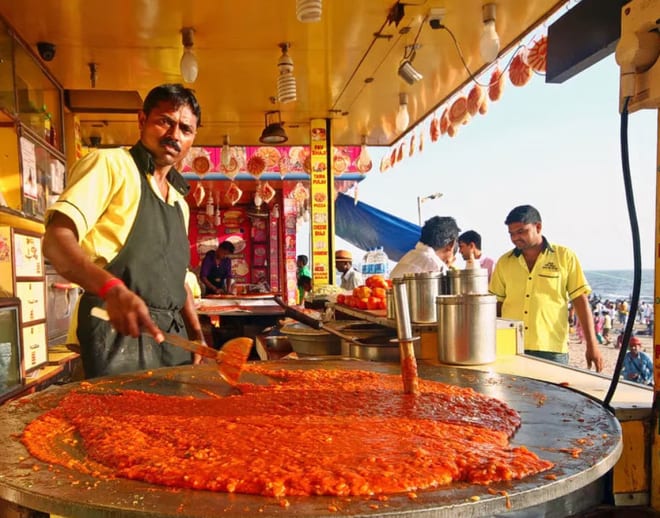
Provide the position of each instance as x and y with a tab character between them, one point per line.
637	255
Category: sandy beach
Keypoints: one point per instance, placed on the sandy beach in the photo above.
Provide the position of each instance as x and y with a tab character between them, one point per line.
609	352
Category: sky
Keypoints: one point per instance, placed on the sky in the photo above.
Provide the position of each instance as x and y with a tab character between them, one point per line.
554	146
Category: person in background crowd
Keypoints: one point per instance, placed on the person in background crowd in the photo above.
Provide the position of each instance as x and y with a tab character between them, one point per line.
350	277
598	326
637	365
640	312
215	271
469	244
534	282
607	326
622	311
303	277
648	318
119	230
434	252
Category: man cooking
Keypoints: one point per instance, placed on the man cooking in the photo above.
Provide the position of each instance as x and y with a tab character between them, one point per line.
119	230
434	252
215	271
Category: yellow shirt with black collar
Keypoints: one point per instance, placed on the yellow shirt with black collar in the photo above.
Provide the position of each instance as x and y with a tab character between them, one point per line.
102	199
540	298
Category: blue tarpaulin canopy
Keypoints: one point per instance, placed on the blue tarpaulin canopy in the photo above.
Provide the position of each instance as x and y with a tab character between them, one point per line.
367	227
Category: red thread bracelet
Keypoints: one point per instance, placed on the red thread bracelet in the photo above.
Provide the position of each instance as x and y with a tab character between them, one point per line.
109	284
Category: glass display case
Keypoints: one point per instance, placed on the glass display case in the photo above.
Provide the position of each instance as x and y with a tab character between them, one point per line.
39	99
7	96
11	373
32	161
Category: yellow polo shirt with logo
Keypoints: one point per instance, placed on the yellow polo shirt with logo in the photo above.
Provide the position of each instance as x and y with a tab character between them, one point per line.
102	199
540	298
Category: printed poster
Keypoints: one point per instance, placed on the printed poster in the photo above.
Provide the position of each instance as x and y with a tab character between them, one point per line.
29	161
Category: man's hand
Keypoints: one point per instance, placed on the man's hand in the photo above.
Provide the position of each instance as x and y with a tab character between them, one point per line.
593	356
129	314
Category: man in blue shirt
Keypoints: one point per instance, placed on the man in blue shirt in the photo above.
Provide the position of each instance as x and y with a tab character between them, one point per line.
637	365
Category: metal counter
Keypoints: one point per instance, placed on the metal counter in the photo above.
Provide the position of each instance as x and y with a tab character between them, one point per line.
553	419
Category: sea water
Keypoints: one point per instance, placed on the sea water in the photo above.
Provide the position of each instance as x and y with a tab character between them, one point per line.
618	284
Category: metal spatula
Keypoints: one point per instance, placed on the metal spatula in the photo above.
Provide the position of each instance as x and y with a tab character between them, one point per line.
230	358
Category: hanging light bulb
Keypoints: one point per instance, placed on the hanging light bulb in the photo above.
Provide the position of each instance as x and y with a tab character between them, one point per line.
308	11
217	219
364	160
226	152
210	208
489	43
402	116
286	82
188	65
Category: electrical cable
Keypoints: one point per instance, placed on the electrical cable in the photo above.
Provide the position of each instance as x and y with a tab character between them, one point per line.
465	66
637	256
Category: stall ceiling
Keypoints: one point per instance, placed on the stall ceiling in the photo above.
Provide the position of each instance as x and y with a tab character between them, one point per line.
345	65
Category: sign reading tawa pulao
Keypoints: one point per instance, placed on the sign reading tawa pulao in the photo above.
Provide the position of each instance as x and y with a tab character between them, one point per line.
321	196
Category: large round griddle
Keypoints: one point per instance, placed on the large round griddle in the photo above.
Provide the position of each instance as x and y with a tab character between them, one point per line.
555	420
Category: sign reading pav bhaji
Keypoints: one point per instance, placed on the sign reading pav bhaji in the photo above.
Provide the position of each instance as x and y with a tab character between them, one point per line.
321	190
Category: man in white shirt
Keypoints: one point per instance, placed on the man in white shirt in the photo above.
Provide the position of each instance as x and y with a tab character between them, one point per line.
350	277
435	248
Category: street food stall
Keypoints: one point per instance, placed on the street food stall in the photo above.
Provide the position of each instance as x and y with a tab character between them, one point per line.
293	95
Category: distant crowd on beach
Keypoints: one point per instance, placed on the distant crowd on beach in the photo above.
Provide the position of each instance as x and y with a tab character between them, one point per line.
608	315
610	318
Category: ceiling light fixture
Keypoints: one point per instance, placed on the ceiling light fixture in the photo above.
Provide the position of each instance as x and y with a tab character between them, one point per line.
402	116
489	43
273	132
406	70
286	82
226	152
189	67
309	11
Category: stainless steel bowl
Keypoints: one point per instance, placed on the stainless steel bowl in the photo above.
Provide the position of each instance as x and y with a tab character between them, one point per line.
311	342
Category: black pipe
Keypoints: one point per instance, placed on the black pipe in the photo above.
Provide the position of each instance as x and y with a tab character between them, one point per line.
637	255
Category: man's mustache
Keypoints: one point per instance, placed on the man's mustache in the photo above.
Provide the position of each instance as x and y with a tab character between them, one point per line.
170	142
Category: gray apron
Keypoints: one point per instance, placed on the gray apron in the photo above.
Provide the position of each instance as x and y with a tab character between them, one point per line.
152	263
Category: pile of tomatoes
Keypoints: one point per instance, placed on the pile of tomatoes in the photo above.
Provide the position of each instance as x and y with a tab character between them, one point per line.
371	295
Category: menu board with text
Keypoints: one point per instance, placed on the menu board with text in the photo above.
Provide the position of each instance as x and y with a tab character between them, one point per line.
321	190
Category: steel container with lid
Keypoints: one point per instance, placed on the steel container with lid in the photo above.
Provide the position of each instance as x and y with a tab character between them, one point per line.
423	288
467	328
467	281
389	304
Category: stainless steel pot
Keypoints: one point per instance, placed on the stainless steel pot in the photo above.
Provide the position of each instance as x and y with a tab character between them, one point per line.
467	328
467	281
423	288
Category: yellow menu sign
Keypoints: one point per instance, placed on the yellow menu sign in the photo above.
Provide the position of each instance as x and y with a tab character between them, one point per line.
322	197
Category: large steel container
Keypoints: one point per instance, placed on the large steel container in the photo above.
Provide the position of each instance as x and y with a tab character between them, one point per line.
423	288
467	281
467	327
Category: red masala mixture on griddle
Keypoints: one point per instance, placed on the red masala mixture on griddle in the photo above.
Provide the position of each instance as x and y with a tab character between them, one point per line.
314	432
